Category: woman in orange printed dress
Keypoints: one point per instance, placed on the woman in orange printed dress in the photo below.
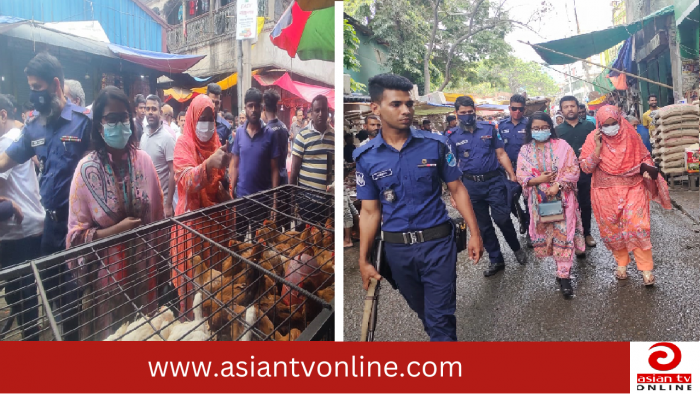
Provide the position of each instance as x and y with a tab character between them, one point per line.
620	194
199	164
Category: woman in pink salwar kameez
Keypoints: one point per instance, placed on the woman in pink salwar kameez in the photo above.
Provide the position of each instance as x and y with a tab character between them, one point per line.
115	188
548	171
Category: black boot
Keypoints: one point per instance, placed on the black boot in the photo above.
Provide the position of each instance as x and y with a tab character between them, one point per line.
494	268
566	290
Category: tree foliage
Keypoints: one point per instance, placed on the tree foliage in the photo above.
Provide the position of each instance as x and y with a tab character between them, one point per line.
350	62
513	75
441	43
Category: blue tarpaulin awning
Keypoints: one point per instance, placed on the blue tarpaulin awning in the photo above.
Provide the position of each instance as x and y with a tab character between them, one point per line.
166	62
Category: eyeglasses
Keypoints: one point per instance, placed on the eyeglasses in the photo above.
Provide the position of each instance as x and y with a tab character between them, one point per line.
519	109
540	128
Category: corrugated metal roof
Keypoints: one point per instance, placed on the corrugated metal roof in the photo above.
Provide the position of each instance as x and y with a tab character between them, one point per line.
126	22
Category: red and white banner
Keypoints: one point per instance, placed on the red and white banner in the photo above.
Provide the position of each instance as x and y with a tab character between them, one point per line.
319	367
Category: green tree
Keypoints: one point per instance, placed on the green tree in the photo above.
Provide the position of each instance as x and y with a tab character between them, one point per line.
350	62
439	42
513	75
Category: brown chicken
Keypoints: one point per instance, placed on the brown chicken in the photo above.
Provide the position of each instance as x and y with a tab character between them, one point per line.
230	295
210	279
292	336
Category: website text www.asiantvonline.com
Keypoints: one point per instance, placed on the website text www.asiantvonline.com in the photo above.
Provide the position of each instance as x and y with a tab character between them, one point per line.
269	369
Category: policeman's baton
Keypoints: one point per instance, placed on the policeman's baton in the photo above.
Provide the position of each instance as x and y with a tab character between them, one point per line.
369	316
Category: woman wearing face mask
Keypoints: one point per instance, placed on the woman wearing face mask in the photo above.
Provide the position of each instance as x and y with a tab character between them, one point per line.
621	189
548	171
115	188
199	163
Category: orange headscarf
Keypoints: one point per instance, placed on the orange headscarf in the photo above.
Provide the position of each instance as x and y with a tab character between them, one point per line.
191	152
622	153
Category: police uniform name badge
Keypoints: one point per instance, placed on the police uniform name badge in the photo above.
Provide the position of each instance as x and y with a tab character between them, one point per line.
36	143
381	174
360	179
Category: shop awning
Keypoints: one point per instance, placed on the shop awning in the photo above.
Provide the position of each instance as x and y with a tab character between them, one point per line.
685	9
586	45
165	62
300	89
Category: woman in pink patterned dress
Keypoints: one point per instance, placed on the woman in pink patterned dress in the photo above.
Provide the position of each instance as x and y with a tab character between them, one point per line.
115	188
548	171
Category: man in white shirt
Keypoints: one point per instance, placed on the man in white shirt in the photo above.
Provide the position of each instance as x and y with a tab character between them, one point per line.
20	237
160	146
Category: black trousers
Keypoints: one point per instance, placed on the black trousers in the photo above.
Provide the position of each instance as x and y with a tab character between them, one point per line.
584	202
20	293
59	283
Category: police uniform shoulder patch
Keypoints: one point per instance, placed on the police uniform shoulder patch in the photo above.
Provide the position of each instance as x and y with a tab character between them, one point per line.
362	149
450	158
360	179
87	111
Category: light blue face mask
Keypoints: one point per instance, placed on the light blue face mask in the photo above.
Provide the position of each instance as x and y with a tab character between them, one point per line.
542	135
116	135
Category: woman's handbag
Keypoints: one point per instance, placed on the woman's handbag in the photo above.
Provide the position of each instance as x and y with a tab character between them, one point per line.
550	212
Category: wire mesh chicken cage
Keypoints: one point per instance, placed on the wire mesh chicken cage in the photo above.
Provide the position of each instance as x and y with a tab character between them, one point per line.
260	267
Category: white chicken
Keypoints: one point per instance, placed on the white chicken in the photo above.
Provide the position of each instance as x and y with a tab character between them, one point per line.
199	328
118	334
142	330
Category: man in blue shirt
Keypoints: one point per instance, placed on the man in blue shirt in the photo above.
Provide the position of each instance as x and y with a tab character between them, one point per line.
281	135
583	114
479	150
253	166
59	137
512	131
399	180
223	128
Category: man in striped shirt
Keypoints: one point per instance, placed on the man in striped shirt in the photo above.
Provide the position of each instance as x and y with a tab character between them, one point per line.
310	167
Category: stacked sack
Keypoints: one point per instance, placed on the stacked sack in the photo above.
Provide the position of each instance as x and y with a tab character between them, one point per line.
676	129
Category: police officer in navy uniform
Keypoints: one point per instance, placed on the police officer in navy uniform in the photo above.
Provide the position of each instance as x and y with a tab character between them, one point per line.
512	131
59	137
479	151
399	179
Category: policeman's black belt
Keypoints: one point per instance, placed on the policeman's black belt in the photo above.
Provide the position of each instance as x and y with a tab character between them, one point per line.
410	238
60	215
482	177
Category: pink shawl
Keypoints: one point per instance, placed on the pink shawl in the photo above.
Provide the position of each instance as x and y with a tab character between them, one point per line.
94	205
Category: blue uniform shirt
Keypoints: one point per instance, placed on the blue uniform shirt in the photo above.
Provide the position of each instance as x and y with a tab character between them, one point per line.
254	171
281	133
407	183
223	129
513	136
476	152
59	146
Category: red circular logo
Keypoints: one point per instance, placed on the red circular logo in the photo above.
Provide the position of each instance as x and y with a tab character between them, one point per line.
654	357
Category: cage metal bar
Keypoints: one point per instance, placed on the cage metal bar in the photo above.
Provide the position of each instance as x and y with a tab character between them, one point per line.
45	302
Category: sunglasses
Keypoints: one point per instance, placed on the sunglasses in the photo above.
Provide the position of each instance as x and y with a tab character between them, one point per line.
519	109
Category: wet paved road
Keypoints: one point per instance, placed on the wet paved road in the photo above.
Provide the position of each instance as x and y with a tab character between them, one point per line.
523	303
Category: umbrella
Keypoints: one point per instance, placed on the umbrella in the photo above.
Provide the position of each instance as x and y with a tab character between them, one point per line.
307	34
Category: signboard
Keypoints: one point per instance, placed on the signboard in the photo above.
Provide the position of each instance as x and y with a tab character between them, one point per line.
246	19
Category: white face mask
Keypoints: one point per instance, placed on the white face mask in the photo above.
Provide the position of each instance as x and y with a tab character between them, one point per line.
610	131
205	130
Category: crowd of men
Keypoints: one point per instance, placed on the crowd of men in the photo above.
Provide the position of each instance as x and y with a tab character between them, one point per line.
42	142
